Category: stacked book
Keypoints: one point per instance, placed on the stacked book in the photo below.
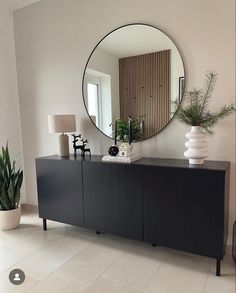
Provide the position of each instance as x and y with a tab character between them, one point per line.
131	158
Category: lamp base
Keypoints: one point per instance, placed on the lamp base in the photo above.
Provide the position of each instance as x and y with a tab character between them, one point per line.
63	145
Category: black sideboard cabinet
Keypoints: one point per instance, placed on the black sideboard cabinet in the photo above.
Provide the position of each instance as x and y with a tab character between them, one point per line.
166	202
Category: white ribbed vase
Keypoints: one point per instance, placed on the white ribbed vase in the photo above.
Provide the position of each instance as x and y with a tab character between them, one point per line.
196	145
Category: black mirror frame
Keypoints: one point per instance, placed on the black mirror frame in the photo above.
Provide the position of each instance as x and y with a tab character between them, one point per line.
137	23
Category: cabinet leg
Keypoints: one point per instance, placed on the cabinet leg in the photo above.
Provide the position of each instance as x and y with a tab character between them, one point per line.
218	263
154	245
44	224
98	232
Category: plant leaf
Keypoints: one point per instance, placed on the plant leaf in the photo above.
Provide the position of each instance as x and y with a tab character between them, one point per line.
10	181
196	112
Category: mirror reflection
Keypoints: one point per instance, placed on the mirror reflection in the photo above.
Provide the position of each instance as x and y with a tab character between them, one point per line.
135	73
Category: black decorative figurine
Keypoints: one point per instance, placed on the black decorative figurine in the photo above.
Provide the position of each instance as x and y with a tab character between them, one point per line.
81	147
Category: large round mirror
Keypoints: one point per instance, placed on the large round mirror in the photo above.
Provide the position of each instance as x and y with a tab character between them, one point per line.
133	74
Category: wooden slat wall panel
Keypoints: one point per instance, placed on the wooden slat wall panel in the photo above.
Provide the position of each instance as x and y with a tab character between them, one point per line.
145	89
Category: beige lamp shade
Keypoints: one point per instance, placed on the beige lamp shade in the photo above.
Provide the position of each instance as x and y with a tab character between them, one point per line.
61	123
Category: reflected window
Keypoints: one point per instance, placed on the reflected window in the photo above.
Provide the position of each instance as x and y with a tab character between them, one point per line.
93	98
97	95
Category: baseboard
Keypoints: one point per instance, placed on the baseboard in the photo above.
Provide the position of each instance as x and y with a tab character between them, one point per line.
25	207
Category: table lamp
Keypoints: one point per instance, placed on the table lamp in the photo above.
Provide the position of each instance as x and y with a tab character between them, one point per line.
62	124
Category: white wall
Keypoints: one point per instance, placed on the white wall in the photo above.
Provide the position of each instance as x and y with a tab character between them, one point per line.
9	102
55	37
177	71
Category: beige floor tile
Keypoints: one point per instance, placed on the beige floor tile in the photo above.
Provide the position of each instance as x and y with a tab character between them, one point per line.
179	274
223	284
7	287
112	242
107	286
128	263
12	254
82	233
58	284
48	259
7	237
226	283
137	266
89	264
227	266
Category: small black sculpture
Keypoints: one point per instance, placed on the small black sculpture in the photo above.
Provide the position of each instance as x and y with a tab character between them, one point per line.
113	150
81	147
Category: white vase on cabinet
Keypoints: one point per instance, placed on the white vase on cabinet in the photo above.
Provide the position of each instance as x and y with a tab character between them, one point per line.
196	145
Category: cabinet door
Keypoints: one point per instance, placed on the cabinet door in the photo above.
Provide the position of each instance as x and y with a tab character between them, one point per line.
60	195
113	199
184	209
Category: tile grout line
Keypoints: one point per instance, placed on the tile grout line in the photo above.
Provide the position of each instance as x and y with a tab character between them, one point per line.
42	280
61	237
208	275
123	285
19	239
88	285
136	288
99	274
155	274
16	264
72	279
55	271
115	260
41	248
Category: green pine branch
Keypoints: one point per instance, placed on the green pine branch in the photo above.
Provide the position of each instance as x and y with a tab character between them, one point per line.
196	112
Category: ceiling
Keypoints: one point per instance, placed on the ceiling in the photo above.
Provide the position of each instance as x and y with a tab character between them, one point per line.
134	40
16	4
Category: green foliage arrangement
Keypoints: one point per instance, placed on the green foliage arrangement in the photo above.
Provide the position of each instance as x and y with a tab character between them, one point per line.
10	181
196	112
123	129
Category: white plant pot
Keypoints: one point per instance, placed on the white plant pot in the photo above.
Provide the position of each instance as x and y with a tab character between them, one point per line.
196	145
10	219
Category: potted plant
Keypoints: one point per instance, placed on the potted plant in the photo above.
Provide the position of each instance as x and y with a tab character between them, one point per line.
10	184
123	129
202	121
